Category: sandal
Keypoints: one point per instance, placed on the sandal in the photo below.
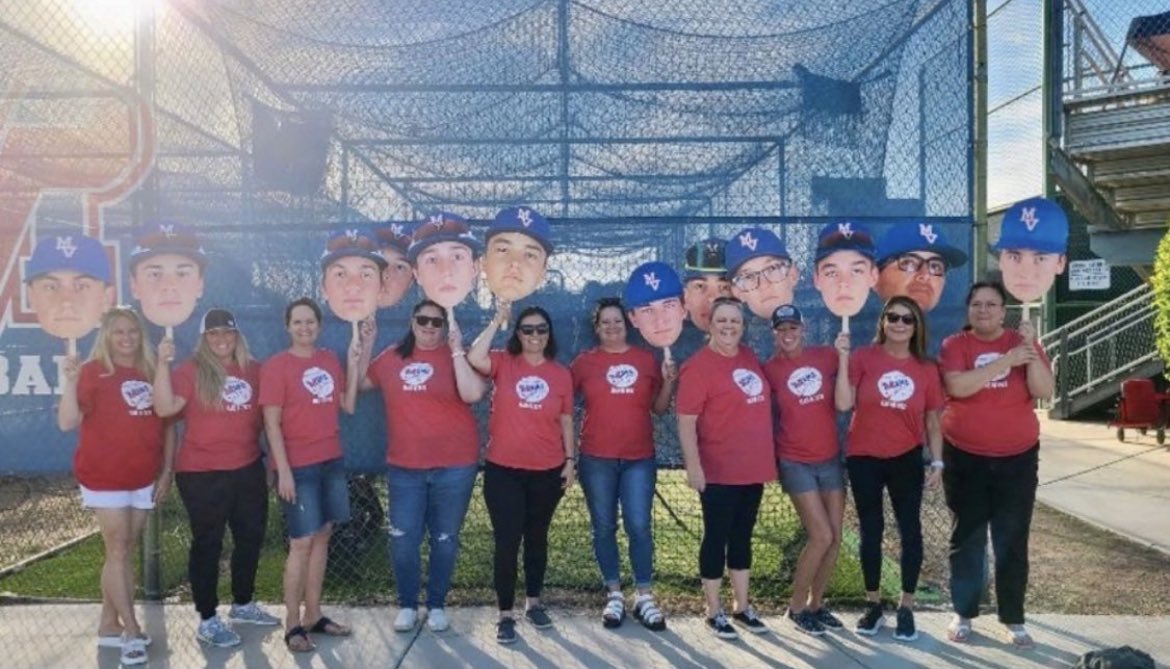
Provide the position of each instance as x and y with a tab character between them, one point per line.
1018	636
648	613
615	610
329	628
298	641
959	631
115	640
133	651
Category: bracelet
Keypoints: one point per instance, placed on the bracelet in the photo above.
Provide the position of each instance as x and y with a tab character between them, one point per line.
458	354
937	464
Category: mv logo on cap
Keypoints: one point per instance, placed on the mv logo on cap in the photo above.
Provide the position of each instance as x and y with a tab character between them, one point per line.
652	281
1028	218
927	232
167	230
351	234
66	246
436	220
525	216
398	229
846	229
747	241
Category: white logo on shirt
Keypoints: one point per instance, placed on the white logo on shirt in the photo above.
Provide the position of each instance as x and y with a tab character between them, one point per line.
137	396
805	382
531	390
985	359
896	388
236	393
750	383
318	382
621	379
416	374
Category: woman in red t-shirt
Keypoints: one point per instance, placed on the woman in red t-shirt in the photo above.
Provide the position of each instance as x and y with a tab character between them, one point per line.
725	432
992	444
220	473
302	390
530	454
621	385
123	461
807	451
432	454
896	396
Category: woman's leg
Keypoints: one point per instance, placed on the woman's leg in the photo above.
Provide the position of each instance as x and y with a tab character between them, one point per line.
447	499
834	504
296	566
636	492
208	498
504	496
1011	522
408	512
967	487
907	475
544	494
334	509
248	520
739	545
814	517
117	528
718	510
866	479
315	572
600	479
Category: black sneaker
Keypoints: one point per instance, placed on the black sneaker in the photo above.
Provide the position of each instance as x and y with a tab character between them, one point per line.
722	626
806	622
506	630
905	631
538	617
827	620
872	620
750	620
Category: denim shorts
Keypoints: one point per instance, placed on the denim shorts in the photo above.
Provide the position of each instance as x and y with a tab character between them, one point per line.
801	477
322	497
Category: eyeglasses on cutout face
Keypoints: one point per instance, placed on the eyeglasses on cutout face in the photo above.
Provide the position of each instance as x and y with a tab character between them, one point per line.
774	272
894	318
430	321
530	330
911	263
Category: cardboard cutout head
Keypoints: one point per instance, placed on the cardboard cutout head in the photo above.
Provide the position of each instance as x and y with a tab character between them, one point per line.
394	243
845	270
352	274
445	256
653	299
704	280
166	273
914	258
518	244
1032	245
69	287
761	271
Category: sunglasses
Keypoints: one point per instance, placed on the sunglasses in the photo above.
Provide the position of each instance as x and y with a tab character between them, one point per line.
430	321
893	318
541	329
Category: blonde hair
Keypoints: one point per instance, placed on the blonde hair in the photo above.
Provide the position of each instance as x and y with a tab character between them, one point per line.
211	375
143	358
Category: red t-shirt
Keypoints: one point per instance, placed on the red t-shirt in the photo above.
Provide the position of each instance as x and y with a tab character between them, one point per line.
121	442
308	391
892	398
619	391
218	439
998	420
428	425
731	397
527	404
803	388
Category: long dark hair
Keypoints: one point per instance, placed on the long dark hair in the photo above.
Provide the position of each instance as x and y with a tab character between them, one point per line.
405	348
918	339
550	348
976	287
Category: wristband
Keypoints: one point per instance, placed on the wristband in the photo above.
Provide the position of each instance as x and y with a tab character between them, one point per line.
458	354
937	464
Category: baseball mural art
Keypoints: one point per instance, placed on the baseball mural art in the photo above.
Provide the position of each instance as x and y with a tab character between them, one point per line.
653	298
844	269
761	271
914	258
518	243
166	273
704	280
398	276
1032	245
445	255
69	285
351	279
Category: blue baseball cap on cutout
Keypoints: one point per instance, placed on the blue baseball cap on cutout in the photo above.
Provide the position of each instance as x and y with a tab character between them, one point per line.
908	236
82	254
164	237
752	243
650	282
706	258
347	242
786	313
442	226
1034	224
395	235
844	236
524	220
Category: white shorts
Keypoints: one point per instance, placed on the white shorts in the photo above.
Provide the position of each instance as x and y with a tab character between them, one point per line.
143	498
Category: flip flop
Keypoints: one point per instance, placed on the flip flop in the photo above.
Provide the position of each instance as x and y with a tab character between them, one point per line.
304	646
959	631
329	628
115	640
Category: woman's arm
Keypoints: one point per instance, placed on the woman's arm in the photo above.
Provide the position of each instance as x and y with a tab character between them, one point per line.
285	486
934	443
166	403
669	376
170	442
479	354
688	439
844	392
471	385
68	409
967	383
1041	382
569	470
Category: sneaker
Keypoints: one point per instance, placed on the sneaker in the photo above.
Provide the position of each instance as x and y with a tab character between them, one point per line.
133	651
251	614
750	620
827	620
538	617
214	632
905	631
506	630
405	620
722	626
437	620
806	622
872	620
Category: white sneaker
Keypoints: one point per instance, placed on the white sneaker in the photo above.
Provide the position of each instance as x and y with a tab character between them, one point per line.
437	620
406	620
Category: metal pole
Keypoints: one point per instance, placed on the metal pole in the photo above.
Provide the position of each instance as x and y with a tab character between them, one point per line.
1053	109
979	187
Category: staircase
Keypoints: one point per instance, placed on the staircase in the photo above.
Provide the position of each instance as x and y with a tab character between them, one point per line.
1093	354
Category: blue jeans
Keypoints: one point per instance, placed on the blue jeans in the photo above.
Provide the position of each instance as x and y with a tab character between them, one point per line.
322	498
606	481
434	500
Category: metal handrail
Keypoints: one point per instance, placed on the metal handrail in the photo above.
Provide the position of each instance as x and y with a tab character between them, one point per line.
1105	313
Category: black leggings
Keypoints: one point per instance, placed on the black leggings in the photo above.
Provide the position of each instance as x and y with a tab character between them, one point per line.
729	515
520	503
903	476
235	498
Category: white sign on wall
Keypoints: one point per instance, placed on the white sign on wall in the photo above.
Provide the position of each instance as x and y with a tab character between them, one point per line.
1088	275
